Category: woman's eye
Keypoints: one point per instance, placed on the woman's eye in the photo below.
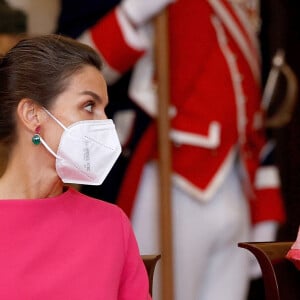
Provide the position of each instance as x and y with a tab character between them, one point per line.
89	107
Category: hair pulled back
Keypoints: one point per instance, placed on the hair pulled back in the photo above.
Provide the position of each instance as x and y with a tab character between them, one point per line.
38	68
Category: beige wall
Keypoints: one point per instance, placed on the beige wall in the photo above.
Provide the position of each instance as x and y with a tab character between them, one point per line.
42	14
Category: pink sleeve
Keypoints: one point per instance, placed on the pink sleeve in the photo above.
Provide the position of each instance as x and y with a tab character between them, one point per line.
294	253
134	280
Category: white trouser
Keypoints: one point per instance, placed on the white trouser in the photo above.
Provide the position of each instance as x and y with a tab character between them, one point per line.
208	265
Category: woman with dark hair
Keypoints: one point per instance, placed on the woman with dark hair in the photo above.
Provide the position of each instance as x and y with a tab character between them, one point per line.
56	243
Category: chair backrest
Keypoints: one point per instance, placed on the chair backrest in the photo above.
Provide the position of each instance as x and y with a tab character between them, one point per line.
280	276
150	264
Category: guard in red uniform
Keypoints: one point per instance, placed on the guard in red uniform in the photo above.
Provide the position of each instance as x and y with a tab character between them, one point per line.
223	188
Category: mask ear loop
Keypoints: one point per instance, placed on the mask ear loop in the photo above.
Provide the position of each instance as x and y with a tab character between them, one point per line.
48	148
37	139
57	121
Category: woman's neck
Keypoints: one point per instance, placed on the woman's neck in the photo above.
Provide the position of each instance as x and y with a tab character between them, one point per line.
29	178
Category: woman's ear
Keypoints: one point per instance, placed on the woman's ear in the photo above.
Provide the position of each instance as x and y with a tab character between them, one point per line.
28	115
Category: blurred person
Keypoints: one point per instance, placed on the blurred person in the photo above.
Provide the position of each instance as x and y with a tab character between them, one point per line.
289	136
272	37
56	243
223	188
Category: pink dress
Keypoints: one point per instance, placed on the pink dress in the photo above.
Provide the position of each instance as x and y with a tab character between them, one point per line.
68	247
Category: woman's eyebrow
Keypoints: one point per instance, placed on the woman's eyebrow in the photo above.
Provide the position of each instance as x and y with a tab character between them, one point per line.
92	94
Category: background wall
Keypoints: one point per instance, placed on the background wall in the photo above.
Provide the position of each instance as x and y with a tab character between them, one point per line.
42	14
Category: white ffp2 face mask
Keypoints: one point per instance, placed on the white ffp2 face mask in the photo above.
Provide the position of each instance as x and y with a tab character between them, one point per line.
87	151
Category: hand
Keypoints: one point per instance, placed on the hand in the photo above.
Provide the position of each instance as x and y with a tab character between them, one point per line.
261	232
141	11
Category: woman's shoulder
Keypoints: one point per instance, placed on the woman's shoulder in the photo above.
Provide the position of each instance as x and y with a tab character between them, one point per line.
92	207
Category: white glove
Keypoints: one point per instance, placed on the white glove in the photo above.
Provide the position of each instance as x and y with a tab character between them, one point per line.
141	11
261	232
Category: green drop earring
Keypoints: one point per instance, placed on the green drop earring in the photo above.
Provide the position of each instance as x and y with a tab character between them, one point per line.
36	139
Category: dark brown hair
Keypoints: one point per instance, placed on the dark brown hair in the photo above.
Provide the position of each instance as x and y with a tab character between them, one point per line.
38	68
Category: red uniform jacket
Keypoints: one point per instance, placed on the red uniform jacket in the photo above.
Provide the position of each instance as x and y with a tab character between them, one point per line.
215	97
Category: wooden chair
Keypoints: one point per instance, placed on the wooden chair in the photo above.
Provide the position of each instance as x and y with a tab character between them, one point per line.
281	278
150	264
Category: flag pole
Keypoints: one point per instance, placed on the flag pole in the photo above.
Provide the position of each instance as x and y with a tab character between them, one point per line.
164	151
